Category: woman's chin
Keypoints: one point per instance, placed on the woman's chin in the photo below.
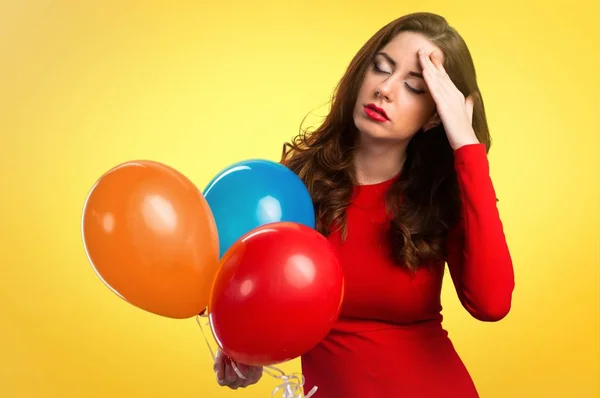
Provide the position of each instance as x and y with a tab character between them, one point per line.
377	134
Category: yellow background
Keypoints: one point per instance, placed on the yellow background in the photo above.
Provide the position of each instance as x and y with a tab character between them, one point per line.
85	86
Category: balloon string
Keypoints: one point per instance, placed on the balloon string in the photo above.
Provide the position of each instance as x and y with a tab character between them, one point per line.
292	384
212	353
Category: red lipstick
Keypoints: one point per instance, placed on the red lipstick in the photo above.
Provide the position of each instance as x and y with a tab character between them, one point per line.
376	113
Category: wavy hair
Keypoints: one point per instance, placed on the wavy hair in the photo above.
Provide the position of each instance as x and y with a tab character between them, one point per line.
424	201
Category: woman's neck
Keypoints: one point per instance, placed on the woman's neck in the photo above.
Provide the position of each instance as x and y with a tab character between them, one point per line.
375	163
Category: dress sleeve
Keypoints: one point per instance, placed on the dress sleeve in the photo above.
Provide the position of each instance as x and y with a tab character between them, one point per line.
478	257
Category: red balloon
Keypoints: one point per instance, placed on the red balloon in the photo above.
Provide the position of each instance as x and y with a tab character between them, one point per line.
277	294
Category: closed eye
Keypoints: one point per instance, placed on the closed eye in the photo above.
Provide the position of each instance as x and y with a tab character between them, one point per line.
414	90
378	69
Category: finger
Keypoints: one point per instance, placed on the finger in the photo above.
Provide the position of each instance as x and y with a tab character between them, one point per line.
218	361
469	106
432	76
242	370
433	85
254	375
219	368
436	59
247	382
425	61
237	384
259	374
230	376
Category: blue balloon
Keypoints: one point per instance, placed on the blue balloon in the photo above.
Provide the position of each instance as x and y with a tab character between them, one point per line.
256	192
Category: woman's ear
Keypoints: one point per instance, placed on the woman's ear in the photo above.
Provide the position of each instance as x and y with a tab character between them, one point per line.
433	122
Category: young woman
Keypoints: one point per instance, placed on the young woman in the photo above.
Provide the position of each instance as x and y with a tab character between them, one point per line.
400	179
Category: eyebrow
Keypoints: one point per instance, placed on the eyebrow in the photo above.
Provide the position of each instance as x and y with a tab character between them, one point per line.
394	63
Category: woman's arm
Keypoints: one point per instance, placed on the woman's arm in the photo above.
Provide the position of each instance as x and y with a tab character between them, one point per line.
478	257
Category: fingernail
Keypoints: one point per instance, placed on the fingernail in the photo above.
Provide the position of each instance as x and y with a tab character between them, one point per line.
421	51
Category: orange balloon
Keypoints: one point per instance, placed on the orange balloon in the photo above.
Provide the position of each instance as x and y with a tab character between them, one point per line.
152	239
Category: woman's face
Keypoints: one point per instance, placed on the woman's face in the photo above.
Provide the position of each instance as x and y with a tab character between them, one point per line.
393	102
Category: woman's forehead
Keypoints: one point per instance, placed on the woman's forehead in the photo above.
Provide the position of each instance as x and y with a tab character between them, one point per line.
405	45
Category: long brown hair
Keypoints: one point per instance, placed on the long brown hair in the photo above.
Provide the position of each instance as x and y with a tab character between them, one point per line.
424	201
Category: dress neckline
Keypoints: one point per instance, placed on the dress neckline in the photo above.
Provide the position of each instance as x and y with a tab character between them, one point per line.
369	195
387	182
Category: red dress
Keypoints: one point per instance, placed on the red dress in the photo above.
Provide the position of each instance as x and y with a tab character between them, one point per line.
389	340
